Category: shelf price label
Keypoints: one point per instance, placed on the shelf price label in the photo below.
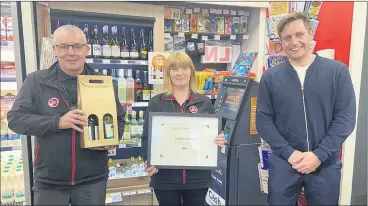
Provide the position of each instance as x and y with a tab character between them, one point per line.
245	36
204	38
159	62
217	37
232	37
156	66
194	36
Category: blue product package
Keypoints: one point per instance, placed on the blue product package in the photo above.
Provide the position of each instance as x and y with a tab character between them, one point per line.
244	64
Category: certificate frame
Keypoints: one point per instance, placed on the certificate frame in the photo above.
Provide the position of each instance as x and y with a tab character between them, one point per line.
205	153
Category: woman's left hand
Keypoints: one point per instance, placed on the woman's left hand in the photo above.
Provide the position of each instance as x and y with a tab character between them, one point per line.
220	140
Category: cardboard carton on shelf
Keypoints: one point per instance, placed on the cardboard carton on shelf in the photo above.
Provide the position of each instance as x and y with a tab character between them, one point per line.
96	97
123	184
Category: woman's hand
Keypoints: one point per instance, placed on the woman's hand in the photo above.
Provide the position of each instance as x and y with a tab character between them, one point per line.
151	170
220	140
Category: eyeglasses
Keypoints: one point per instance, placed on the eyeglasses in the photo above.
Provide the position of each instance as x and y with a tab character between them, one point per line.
65	48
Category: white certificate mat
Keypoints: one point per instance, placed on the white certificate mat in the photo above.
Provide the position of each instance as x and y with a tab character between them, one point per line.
184	141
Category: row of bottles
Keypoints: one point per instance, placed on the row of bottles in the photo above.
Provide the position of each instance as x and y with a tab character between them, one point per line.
127	168
133	128
130	90
12	178
107	45
108	125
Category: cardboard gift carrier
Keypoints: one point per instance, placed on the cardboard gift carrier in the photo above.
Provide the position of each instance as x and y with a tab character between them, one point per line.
96	97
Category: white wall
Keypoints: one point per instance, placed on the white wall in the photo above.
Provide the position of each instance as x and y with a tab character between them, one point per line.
355	67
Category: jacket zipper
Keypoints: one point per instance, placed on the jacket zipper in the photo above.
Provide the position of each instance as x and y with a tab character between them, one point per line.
184	171
305	117
73	144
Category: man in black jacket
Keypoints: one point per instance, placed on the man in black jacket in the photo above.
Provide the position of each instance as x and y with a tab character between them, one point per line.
46	108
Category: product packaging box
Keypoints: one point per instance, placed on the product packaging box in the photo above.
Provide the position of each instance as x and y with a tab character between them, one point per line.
96	98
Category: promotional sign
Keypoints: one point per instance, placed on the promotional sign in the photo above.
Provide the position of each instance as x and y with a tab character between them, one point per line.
156	66
217	54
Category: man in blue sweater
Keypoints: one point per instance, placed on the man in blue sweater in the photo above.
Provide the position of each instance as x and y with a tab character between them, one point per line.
306	109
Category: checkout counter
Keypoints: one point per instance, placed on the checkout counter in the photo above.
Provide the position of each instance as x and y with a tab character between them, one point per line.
237	181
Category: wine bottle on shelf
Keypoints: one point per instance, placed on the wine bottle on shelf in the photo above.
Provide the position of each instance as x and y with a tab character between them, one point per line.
124	47
114	80
134	128
130	87
134	53
138	87
143	54
150	42
122	87
127	129
106	45
115	44
146	93
96	45
93	127
89	40
108	126
141	123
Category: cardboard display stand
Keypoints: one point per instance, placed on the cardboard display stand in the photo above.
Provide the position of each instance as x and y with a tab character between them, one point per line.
96	97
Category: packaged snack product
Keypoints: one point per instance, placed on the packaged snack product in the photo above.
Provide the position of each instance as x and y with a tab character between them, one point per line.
228	25
168	25
177	26
193	23
220	25
235	27
185	25
244	64
201	23
213	24
244	24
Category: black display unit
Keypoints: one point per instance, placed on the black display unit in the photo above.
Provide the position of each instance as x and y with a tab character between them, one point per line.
237	181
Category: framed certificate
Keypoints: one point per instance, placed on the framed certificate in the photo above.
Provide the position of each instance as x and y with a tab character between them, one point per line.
183	141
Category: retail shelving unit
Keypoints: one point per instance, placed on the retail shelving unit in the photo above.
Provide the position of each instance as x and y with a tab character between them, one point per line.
38	25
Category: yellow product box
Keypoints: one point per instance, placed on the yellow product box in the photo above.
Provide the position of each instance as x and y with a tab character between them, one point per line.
7	101
96	98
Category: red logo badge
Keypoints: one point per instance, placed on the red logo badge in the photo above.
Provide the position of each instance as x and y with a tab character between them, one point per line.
193	109
53	102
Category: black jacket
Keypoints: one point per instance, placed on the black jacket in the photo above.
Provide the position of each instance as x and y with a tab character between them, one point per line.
58	160
174	179
316	118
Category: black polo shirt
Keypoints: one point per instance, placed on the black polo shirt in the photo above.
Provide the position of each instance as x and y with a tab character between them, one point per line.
68	86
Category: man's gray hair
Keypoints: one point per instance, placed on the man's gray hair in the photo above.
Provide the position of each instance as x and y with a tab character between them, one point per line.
69	28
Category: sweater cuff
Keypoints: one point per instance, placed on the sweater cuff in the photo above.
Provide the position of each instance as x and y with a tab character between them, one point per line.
55	126
321	154
286	152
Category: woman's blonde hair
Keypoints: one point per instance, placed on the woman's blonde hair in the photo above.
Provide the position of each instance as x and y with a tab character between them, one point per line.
177	60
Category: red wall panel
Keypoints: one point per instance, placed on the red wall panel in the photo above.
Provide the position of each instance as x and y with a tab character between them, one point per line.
334	29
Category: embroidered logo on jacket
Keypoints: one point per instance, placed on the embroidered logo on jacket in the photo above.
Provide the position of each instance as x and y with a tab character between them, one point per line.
53	102
193	109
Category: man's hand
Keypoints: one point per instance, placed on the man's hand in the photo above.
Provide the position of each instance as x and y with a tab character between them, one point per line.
308	164
295	157
72	119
